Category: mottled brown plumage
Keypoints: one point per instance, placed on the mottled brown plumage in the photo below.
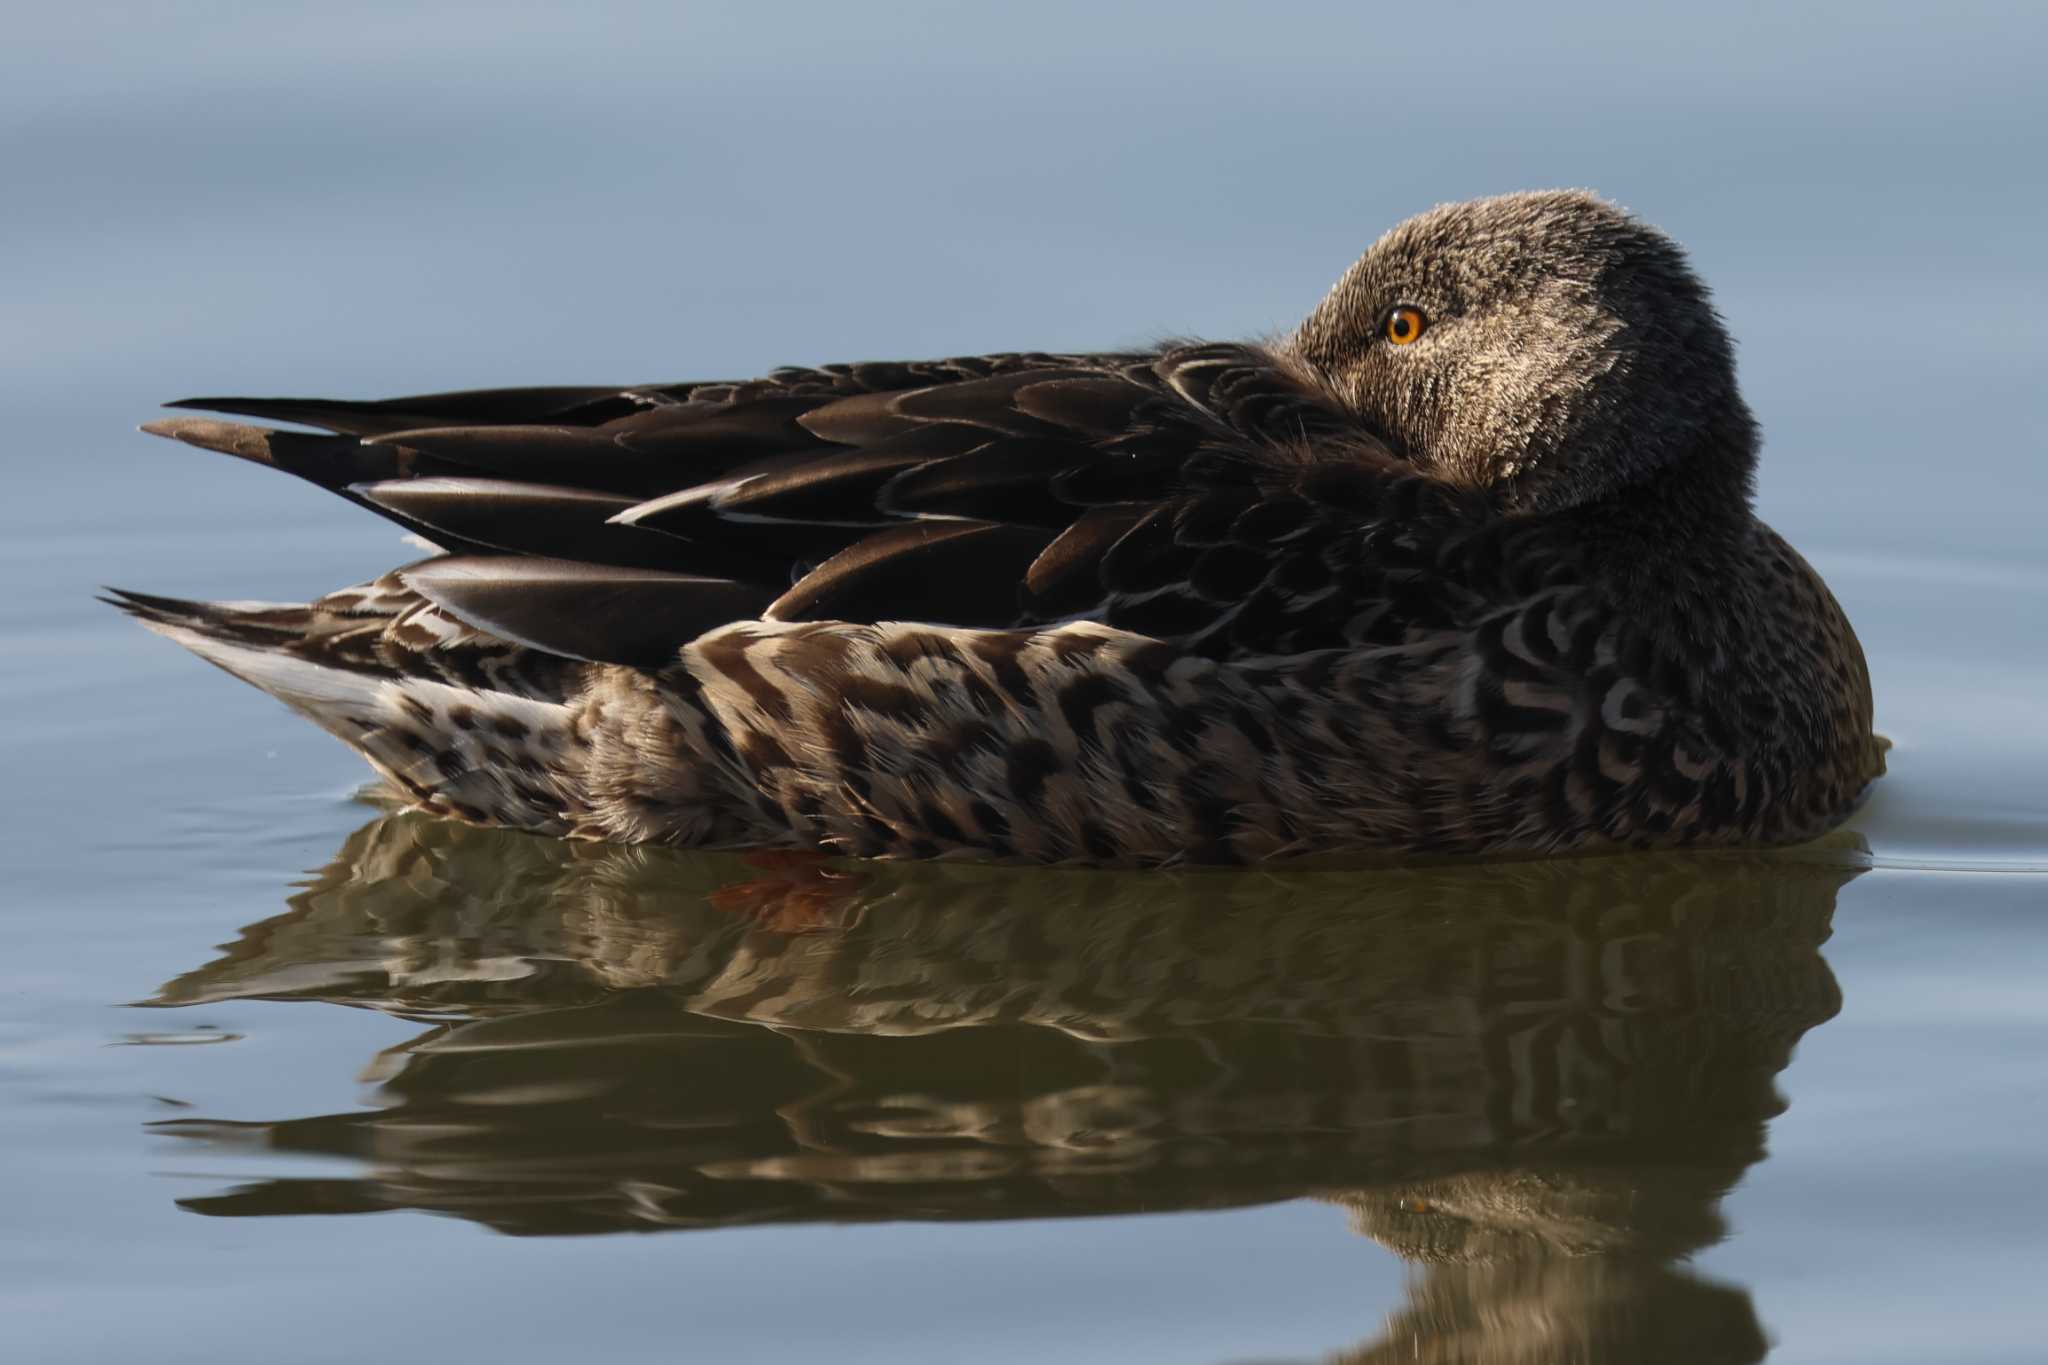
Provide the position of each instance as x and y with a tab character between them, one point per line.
1495	587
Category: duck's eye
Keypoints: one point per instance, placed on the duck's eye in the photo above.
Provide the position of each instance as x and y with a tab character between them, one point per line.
1404	324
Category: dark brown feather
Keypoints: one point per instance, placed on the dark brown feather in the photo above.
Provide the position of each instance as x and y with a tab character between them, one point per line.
839	488
704	438
956	573
563	456
602	613
1007	479
383	416
1066	577
523	518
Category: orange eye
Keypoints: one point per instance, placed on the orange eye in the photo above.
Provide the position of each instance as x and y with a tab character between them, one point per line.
1404	325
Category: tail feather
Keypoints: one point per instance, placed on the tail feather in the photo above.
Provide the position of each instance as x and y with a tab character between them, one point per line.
574	404
531	491
487	756
254	623
333	462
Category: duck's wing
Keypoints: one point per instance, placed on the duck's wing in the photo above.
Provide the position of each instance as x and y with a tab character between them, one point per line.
1203	494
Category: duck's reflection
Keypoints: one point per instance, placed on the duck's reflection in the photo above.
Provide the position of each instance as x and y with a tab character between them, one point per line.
1535	1079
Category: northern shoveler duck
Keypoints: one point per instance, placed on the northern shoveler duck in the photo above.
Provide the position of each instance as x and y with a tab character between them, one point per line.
1465	563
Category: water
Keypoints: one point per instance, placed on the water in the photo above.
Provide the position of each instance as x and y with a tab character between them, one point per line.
1643	1108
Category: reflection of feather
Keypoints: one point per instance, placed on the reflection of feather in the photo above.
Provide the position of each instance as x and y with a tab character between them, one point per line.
1543	1310
1492	1065
1320	1026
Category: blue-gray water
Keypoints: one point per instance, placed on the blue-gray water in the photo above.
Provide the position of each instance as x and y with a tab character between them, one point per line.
380	198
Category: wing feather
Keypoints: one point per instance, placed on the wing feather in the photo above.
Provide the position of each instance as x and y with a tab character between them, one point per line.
1170	492
601	613
961	573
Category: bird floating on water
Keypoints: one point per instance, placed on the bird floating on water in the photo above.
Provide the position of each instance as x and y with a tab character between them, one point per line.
1465	563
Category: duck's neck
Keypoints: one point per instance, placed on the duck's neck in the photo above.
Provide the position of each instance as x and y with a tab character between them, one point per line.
1696	491
1673	543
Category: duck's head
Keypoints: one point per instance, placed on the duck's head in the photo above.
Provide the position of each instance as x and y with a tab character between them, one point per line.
1546	345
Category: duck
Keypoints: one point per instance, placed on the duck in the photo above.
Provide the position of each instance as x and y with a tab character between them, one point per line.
1466	563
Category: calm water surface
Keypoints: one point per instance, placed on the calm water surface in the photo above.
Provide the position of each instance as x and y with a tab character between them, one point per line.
289	1077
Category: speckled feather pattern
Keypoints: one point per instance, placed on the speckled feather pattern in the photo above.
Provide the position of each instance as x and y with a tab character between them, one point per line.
1215	603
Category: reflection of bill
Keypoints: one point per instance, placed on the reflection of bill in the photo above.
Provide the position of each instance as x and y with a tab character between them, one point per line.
1537	1077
